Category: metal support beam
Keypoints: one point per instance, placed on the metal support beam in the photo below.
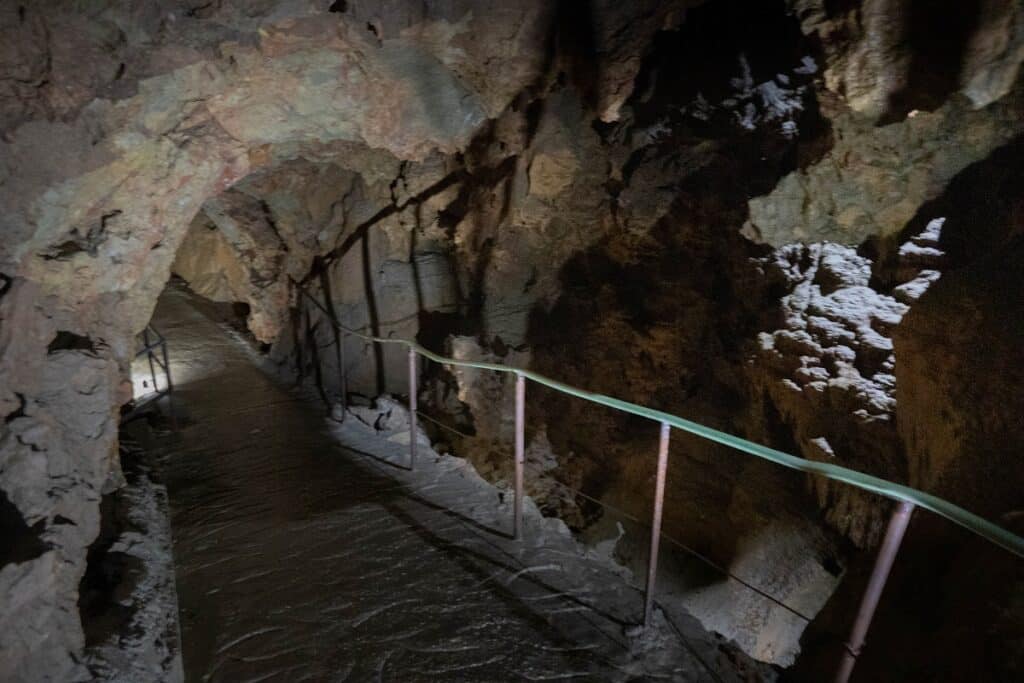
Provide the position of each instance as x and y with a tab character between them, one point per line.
149	357
170	385
873	593
412	408
659	501
517	520
339	339
166	365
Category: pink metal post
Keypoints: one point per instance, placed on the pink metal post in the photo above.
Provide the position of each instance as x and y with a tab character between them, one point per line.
883	564
517	520
659	500
412	408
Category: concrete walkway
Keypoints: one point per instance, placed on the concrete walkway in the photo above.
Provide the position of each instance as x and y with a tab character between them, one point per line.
298	559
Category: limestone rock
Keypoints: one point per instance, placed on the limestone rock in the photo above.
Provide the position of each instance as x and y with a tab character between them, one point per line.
957	383
833	363
872	181
888	57
107	156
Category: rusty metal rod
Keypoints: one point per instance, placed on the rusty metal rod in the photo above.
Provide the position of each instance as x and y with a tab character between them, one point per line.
412	408
159	363
148	348
517	519
659	501
873	593
166	365
339	339
149	357
170	386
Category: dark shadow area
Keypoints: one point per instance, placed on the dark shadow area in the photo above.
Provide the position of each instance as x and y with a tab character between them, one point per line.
738	45
952	608
951	611
21	542
693	280
982	207
475	563
338	337
409	494
935	36
69	341
665	315
109	578
573	47
311	343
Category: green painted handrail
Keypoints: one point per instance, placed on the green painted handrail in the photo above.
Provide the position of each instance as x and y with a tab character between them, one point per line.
954	513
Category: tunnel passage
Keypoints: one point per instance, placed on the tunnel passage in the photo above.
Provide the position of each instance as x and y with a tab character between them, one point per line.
299	554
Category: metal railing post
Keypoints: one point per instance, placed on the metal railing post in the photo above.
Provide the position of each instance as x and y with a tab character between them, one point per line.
659	500
517	519
167	365
412	408
149	357
339	338
873	593
980	526
170	385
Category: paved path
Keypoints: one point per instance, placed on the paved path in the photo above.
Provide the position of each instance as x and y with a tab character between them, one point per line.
300	560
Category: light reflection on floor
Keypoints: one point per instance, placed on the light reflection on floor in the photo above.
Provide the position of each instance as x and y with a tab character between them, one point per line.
142	378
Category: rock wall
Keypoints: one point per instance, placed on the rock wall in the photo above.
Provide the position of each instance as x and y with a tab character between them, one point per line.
719	208
888	57
119	121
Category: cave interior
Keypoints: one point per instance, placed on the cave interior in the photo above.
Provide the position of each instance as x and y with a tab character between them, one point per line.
799	222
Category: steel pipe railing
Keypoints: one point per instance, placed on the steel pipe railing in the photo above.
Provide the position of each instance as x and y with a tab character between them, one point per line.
907	497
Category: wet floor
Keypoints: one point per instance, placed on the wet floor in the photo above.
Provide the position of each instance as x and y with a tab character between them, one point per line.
297	561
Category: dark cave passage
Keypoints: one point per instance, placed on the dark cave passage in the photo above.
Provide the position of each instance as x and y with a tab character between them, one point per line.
350	570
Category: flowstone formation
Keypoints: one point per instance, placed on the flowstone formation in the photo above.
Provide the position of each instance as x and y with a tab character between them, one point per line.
830	369
731	211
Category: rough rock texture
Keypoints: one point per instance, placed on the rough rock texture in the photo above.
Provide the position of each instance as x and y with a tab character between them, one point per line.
559	186
106	162
830	370
888	57
873	180
959	345
127	599
957	356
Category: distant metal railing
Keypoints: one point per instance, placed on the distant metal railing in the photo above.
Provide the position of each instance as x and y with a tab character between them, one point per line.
154	347
907	497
